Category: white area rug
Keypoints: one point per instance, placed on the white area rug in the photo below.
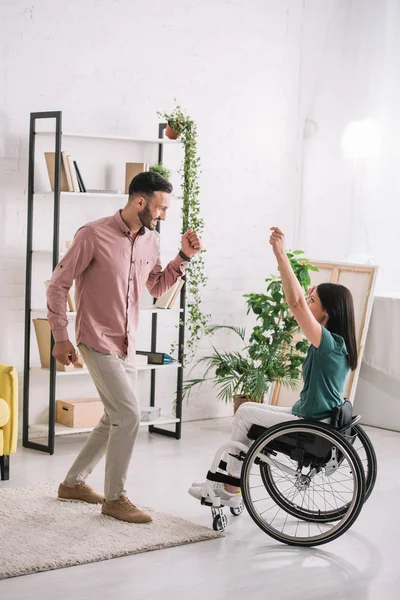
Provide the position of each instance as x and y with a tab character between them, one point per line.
40	533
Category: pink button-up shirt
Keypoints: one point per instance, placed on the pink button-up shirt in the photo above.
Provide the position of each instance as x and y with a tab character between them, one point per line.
110	268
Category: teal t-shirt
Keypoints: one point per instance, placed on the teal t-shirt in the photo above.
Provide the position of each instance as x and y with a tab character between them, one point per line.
325	370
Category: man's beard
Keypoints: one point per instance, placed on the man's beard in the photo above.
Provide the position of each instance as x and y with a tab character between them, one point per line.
146	218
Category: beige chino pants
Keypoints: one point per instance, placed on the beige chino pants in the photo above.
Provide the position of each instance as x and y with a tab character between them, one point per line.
115	434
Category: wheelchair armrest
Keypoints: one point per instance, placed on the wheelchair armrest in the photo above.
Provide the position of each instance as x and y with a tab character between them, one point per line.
353	422
256	431
342	415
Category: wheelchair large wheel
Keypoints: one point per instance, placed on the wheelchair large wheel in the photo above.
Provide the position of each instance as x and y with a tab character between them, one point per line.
316	474
271	478
365	450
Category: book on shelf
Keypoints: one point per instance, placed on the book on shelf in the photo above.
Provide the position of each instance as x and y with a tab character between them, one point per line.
156	358
74	178
131	170
79	177
166	300
64	158
71	301
43	337
141	359
50	158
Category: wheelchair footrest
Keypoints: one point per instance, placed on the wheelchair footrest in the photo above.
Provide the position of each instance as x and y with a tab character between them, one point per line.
205	502
222	478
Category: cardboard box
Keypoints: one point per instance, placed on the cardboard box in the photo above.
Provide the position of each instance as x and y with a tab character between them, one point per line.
79	412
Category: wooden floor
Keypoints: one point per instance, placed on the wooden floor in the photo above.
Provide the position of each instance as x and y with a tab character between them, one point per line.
361	565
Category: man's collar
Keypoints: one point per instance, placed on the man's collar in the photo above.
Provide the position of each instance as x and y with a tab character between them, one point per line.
124	227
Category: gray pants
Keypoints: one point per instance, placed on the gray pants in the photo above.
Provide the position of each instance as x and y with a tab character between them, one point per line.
115	435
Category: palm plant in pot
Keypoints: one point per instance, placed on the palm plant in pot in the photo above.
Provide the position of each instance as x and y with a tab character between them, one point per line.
269	354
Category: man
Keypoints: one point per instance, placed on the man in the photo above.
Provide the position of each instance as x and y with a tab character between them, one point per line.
111	260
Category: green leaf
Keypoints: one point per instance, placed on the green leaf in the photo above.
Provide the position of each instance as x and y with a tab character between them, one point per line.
240	331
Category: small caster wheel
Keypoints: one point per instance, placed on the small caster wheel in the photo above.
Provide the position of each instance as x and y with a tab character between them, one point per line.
216	511
237	510
219	523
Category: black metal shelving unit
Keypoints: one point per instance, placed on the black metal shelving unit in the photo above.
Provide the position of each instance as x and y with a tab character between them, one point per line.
51	430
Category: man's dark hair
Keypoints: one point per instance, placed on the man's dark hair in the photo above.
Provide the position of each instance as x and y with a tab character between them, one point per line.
147	183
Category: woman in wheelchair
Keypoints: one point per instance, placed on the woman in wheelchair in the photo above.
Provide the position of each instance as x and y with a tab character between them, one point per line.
326	318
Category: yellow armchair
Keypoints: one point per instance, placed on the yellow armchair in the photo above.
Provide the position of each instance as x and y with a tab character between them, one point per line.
8	417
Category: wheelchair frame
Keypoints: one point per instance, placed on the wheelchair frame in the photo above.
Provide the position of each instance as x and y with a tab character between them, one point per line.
303	438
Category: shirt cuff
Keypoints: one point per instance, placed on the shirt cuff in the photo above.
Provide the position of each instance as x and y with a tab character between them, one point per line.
61	335
179	264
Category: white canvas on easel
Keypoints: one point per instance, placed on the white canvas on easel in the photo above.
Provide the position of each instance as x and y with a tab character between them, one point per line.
360	280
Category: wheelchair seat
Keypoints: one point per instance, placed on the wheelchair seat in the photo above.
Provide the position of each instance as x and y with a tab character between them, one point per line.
341	419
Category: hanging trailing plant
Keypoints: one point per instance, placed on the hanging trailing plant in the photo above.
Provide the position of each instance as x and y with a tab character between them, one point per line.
185	129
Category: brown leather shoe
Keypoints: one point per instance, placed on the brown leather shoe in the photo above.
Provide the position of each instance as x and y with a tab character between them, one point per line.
124	510
80	493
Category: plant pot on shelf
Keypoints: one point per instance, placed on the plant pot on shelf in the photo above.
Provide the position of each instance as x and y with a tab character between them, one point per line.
239	399
170	133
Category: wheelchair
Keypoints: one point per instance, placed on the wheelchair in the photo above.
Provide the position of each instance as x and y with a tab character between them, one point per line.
303	482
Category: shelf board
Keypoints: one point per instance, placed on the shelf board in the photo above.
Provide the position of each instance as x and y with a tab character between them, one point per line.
174	365
84	194
43	312
41	428
116	138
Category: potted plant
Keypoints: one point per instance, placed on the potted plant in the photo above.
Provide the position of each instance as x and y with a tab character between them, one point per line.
177	123
269	355
161	170
197	322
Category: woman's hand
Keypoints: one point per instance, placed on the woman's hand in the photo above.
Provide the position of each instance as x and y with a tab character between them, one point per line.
310	291
277	241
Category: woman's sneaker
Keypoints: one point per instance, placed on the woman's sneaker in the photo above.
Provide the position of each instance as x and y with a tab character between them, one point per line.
209	490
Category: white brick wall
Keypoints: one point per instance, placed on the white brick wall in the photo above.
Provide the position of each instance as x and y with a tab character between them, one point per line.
248	71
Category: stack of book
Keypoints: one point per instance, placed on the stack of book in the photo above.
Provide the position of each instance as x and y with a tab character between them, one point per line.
71	179
154	358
